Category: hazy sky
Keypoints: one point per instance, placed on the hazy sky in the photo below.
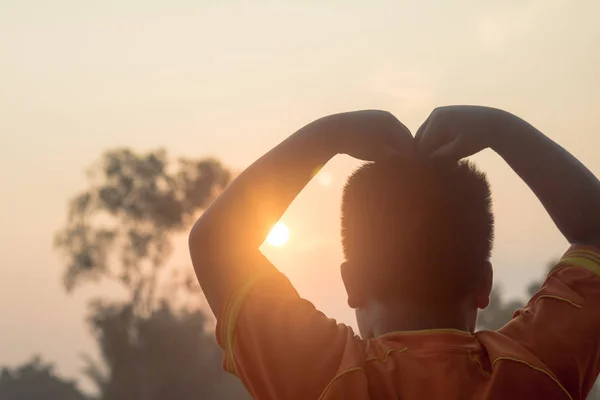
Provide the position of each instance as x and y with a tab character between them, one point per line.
231	79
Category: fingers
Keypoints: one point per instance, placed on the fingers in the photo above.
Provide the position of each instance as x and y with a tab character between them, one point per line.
436	138
432	135
384	153
403	128
452	151
419	133
389	153
398	138
399	135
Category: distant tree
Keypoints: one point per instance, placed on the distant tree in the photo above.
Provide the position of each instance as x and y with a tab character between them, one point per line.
167	355
36	380
153	346
122	226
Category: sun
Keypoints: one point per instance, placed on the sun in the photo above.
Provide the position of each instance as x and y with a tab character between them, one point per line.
279	235
325	178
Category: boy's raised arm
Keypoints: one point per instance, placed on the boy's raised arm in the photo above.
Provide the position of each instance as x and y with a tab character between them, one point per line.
224	241
567	189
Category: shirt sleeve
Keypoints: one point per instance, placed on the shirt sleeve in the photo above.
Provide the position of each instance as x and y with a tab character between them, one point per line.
279	344
561	323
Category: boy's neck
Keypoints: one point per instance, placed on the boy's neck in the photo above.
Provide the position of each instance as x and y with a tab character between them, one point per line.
397	318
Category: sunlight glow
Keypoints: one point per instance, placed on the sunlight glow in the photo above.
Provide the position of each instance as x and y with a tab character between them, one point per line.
325	178
279	235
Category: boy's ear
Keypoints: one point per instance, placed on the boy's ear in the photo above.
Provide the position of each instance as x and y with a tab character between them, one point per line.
355	286
485	287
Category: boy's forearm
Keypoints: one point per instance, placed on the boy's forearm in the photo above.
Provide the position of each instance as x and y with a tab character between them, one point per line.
243	214
567	189
238	221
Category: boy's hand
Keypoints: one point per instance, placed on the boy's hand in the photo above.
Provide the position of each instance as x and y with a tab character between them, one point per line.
454	132
369	135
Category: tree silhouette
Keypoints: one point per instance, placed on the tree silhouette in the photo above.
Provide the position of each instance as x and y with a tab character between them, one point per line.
35	380
167	355
121	229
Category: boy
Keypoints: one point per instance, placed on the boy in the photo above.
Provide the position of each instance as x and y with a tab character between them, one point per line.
417	230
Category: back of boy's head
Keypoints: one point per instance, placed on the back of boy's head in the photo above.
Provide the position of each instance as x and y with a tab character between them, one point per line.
417	231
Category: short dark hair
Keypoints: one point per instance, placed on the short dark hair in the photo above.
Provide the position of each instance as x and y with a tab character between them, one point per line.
418	228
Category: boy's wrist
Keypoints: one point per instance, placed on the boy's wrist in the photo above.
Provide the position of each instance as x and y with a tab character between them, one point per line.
326	133
506	130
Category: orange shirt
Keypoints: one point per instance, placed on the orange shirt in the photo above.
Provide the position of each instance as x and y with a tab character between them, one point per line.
282	348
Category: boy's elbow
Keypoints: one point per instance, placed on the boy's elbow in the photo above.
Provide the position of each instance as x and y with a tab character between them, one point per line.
198	243
588	234
589	241
206	247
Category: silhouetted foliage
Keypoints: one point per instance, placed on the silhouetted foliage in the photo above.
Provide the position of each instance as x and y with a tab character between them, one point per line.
35	380
167	355
121	228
